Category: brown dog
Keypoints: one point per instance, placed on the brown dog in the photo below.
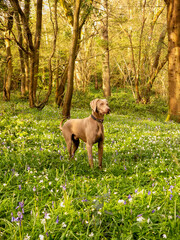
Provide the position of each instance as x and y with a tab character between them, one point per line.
89	129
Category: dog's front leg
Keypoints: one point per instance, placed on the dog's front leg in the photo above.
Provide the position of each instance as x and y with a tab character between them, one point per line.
100	153
90	157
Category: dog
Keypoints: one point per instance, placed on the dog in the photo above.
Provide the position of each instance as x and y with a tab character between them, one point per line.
90	130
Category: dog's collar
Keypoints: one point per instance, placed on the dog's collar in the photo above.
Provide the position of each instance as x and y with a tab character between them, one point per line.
98	120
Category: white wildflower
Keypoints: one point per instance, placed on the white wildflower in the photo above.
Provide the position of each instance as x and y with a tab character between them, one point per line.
62	204
148	220
41	237
43	221
121	201
64	225
164	236
47	216
27	237
140	219
91	234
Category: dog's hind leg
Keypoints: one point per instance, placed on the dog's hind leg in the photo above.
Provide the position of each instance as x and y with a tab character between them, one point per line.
75	145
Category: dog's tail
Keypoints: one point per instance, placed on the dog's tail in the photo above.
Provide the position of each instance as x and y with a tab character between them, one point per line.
61	124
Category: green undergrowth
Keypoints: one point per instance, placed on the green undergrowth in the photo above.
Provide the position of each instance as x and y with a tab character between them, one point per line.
44	195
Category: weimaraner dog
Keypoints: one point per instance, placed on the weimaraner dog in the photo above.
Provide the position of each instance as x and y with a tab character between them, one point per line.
89	129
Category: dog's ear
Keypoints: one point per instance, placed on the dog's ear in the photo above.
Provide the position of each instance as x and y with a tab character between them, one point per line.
93	104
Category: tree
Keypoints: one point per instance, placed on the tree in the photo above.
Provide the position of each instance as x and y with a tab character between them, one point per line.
8	70
173	22
105	56
145	67
76	20
34	48
70	75
21	55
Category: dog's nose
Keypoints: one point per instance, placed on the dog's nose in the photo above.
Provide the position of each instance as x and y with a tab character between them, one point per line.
108	110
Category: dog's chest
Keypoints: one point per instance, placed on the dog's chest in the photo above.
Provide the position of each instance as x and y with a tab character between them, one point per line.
99	133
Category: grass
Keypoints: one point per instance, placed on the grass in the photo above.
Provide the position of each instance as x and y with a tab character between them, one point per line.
43	195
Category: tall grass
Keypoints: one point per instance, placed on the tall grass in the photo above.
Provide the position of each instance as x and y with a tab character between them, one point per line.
43	195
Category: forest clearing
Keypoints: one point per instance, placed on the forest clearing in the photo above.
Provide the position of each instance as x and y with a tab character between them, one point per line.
44	194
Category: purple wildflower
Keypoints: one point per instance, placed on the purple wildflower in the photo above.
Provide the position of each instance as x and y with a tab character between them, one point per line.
124	202
136	190
139	215
20	187
149	193
129	196
21	204
125	167
153	211
64	187
171	196
34	189
57	219
12	218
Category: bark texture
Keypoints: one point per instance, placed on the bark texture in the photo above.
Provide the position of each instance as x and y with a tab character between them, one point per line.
105	60
173	20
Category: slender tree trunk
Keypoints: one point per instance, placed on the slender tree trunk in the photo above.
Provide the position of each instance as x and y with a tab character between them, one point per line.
31	81
26	56
156	68
21	54
57	78
61	87
69	92
55	28
9	68
105	60
173	20
37	41
8	71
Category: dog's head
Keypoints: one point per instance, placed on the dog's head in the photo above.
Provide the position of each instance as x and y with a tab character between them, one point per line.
100	106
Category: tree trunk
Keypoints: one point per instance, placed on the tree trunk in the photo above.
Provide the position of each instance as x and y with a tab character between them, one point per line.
21	54
173	21
37	41
31	81
155	69
26	56
61	88
69	92
44	102
105	60
8	71
9	68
